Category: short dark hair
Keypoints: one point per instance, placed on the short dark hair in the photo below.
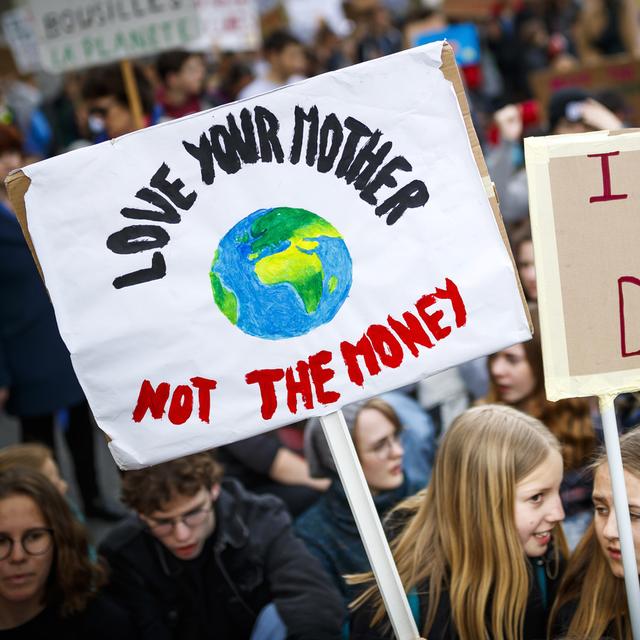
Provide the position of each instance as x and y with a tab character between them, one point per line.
108	81
172	61
148	490
279	40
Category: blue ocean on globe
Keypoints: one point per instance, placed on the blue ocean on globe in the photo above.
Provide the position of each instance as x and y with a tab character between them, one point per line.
281	272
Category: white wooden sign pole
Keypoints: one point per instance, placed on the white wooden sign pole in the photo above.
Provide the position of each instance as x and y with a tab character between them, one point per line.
621	504
366	517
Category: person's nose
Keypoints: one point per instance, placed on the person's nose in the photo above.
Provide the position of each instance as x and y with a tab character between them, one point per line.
610	531
498	368
556	511
18	553
181	531
397	450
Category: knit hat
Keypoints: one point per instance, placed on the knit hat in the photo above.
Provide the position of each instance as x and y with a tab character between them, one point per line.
316	447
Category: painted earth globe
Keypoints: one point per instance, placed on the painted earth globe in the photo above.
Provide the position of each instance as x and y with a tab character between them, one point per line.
281	272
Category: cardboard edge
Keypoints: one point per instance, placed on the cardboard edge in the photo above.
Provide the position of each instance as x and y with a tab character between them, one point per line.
452	74
17	184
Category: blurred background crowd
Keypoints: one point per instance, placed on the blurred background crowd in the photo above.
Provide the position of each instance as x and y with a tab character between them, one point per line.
530	67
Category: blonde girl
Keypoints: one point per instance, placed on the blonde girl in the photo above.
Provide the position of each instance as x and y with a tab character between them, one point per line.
481	548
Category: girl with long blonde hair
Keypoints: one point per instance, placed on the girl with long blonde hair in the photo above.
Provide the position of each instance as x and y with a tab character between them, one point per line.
516	378
481	548
591	600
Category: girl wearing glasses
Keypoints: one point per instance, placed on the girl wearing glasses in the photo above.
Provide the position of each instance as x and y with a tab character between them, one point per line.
591	600
48	584
328	527
480	550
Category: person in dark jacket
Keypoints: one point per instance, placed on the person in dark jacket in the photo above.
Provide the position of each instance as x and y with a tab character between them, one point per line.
37	381
204	558
328	527
481	549
49	587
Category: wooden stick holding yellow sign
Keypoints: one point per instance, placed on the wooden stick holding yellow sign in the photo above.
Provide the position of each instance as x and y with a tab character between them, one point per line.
583	199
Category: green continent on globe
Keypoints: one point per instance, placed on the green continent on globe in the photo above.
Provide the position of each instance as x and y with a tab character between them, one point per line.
225	299
296	265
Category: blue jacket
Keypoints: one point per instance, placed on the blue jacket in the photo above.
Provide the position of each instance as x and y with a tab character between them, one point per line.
330	532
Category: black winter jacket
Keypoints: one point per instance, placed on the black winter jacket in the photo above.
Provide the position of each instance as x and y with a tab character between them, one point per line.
251	560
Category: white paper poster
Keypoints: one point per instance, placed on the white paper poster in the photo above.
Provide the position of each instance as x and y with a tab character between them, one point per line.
253	265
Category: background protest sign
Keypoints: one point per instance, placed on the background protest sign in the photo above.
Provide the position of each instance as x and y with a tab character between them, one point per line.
583	194
19	32
620	73
74	34
276	258
228	25
462	37
468	9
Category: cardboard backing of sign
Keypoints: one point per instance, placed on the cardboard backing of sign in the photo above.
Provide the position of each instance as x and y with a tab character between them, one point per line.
584	196
18	183
620	73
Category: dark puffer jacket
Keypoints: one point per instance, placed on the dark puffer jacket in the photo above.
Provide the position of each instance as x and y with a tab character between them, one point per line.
252	559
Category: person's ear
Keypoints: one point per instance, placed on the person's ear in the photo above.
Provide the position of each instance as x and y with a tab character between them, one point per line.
144	518
215	491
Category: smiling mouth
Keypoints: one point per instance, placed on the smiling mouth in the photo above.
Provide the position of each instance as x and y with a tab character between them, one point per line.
542	535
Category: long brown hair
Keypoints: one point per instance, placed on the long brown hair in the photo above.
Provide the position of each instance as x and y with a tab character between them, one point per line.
73	579
569	419
461	534
600	595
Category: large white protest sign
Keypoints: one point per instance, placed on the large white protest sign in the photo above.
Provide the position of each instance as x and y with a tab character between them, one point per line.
83	33
276	258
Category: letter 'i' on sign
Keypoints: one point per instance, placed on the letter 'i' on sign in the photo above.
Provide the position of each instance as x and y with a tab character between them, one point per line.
606	195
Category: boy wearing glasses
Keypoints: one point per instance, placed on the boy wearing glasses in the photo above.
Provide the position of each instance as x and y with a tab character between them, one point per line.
204	558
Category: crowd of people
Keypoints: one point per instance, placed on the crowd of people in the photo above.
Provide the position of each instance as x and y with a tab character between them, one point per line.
497	502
